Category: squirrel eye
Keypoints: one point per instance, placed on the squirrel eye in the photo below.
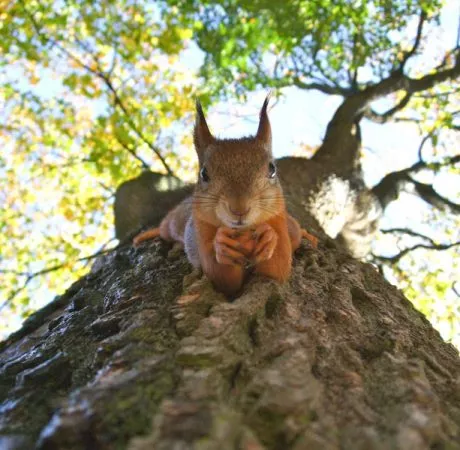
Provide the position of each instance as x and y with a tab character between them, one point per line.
271	170
204	175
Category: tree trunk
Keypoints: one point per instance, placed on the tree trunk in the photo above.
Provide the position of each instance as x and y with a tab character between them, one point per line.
142	353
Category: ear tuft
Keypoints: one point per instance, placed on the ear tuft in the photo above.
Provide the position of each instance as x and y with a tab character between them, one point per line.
202	136
264	132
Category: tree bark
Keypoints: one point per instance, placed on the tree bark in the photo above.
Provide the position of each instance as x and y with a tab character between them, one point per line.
142	353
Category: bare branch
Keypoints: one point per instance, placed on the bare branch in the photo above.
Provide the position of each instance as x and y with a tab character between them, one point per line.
408	232
132	152
407	120
114	60
418	37
353	74
411	86
106	188
118	101
395	258
322	87
428	81
384	117
421	165
389	186
458	32
422	144
428	193
454	288
357	103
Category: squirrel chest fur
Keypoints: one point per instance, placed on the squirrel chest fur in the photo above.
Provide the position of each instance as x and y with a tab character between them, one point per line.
236	221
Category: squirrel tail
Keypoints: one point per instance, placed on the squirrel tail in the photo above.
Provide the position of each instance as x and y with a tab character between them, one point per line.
312	239
145	236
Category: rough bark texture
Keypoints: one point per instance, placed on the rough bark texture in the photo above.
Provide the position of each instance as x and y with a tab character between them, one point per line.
143	354
144	201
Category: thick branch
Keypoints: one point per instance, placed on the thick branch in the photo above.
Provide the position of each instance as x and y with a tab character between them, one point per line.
356	104
384	117
388	188
428	81
427	193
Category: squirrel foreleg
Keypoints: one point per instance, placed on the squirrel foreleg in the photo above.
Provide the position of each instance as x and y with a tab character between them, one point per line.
221	258
145	236
278	262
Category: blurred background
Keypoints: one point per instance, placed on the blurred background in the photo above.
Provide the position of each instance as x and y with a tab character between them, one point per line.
93	93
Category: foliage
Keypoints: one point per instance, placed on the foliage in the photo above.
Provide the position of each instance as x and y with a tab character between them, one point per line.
94	92
86	90
259	43
392	52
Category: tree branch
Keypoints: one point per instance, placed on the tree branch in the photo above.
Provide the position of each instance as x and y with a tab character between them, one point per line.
422	144
106	80
358	103
408	232
133	126
428	81
381	118
454	288
411	52
428	193
322	87
30	276
132	152
389	186
395	258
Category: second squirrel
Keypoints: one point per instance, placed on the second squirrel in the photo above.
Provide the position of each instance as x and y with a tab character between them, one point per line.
236	221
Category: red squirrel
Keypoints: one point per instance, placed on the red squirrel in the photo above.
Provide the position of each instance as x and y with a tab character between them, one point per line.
236	221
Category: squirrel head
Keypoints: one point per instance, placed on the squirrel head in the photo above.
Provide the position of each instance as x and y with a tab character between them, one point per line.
237	184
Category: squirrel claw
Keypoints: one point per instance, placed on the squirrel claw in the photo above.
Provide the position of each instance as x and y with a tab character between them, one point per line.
227	250
267	241
229	260
312	239
233	247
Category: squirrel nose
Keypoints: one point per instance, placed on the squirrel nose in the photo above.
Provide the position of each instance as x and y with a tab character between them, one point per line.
239	212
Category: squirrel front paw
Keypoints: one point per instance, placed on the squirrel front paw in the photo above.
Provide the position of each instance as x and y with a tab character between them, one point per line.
230	249
266	241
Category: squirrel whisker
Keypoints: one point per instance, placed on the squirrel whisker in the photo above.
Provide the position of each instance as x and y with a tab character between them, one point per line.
242	174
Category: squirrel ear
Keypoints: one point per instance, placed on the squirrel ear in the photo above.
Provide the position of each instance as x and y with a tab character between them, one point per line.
202	137
264	132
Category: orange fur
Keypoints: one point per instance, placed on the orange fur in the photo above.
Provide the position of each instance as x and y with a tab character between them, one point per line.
226	278
279	265
297	233
237	217
145	236
313	239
